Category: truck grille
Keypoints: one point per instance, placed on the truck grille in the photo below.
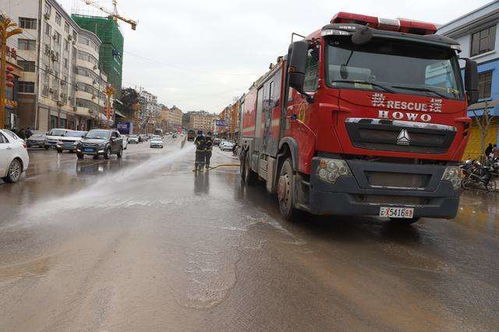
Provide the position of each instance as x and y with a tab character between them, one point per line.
391	200
397	180
383	135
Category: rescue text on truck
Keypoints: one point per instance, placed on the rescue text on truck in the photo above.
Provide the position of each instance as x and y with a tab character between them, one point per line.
366	116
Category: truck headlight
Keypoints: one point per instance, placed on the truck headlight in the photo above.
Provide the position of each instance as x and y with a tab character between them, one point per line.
330	170
453	175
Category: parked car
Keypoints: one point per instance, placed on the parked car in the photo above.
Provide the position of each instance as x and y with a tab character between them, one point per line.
133	139
156	142
54	136
226	145
143	137
14	159
216	141
38	140
100	142
70	140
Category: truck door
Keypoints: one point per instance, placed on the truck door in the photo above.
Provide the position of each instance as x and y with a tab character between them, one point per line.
272	113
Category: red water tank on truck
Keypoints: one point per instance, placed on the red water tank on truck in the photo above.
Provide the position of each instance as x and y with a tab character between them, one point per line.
366	116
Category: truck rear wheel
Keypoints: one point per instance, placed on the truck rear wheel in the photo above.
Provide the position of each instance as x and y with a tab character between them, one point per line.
286	193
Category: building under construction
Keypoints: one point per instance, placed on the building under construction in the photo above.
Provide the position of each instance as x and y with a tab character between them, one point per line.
111	49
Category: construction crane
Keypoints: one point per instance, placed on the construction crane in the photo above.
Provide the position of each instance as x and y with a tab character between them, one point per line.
112	13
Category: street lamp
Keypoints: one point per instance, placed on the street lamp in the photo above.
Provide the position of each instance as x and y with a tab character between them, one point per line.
8	28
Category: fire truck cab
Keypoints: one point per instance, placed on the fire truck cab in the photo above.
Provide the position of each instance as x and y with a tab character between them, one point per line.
366	116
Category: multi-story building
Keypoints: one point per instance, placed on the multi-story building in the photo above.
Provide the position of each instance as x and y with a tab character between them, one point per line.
90	82
174	118
48	53
163	117
111	49
202	121
150	110
477	34
11	119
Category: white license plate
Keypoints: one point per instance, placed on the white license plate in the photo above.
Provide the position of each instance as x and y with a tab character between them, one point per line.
396	212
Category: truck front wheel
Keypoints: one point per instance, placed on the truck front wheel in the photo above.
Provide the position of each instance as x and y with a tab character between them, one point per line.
286	193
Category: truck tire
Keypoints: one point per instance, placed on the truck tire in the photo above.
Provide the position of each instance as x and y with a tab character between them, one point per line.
249	177
286	194
79	156
120	153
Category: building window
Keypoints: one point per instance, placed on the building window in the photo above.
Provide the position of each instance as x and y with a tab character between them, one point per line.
26	44
48	9
48	29
66	63
57	38
27	65
53	122
483	41
484	84
58	18
66	27
27	23
26	87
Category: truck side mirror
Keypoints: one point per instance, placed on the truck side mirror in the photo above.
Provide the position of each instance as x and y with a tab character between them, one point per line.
297	63
297	55
471	81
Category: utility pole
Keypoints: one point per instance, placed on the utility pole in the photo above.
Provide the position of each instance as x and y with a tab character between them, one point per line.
109	93
7	30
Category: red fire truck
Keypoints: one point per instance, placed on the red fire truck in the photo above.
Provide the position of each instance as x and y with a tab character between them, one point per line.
366	116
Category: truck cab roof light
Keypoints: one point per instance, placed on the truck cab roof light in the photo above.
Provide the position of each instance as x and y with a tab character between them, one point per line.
401	25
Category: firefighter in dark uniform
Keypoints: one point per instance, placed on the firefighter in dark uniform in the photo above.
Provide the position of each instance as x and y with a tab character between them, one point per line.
200	143
209	148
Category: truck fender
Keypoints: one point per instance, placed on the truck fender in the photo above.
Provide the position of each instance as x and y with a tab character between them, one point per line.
293	148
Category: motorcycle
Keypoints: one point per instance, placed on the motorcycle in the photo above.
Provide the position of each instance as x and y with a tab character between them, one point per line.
477	176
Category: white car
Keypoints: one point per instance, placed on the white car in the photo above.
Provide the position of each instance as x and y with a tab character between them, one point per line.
125	142
70	140
54	136
14	159
226	145
133	139
156	142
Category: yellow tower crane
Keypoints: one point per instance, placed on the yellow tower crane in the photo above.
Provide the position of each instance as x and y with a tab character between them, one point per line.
112	13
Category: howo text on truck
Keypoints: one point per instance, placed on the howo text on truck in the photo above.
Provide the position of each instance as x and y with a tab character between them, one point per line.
366	116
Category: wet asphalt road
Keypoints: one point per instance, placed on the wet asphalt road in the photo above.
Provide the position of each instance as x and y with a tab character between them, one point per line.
141	244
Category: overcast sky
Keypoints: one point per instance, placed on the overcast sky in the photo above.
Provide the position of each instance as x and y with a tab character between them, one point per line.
200	54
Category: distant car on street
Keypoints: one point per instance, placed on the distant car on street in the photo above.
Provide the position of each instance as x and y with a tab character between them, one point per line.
14	159
54	136
143	137
216	141
70	140
133	139
156	142
226	145
37	140
100	142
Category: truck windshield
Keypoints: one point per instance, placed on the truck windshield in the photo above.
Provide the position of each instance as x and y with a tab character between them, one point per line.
394	66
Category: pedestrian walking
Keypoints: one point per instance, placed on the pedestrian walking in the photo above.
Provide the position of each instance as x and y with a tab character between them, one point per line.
209	148
200	143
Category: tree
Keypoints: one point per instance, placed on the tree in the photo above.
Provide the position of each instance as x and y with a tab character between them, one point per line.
129	101
483	122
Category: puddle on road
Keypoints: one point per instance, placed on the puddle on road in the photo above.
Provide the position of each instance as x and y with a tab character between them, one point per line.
35	267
